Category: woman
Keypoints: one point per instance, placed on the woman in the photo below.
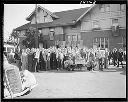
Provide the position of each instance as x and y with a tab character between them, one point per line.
24	60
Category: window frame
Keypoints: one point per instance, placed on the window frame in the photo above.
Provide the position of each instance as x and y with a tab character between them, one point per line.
95	24
107	6
74	36
113	22
102	6
101	44
121	7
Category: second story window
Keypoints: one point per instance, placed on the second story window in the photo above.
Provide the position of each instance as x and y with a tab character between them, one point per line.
74	37
107	7
114	21
102	8
69	38
122	7
95	24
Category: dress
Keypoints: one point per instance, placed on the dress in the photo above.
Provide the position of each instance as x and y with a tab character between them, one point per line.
30	61
24	60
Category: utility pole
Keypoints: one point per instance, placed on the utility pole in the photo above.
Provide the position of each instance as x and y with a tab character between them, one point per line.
36	35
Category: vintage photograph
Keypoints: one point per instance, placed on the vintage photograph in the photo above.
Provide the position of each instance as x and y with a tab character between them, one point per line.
64	51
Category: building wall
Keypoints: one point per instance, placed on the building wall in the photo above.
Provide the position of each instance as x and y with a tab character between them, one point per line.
114	42
72	30
104	18
84	27
41	17
105	22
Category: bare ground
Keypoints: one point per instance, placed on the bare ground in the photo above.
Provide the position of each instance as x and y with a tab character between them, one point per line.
110	83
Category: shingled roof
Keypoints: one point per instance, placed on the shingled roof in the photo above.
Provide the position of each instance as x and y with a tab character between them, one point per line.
65	18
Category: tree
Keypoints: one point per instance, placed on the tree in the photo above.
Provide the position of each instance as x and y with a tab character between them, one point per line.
15	35
29	42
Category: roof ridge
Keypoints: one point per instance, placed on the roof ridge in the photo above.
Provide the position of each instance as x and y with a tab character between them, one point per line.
71	10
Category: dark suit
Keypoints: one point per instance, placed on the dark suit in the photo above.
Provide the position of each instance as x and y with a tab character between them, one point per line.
114	56
53	61
120	58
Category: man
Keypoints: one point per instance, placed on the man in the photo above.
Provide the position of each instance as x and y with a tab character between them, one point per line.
109	56
114	56
36	59
106	59
120	57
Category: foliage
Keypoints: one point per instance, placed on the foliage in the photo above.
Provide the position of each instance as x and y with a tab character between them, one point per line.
14	34
29	42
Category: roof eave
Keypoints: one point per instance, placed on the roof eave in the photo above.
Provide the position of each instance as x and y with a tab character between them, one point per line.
85	12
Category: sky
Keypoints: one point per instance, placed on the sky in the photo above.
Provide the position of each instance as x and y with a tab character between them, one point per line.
15	14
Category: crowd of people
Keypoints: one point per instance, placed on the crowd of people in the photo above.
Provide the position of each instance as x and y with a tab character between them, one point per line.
40	59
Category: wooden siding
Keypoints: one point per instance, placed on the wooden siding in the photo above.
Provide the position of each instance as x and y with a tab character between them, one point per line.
45	31
58	30
40	17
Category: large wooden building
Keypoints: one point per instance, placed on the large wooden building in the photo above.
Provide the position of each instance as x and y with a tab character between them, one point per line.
101	25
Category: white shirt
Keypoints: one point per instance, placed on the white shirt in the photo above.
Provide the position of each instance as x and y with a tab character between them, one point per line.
37	54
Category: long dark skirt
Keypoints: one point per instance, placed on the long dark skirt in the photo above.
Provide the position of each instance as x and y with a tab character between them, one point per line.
30	61
53	64
48	64
42	64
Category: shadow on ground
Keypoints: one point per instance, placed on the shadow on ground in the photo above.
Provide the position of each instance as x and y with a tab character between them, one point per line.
63	71
122	70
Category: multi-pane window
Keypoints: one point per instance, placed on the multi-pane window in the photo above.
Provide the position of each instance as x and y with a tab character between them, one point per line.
124	41
95	24
74	37
101	42
79	37
102	8
69	38
122	7
106	42
107	7
114	21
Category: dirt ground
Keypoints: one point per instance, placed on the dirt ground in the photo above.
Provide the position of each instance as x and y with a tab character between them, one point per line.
110	83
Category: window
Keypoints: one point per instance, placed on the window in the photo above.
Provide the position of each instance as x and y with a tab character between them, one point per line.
124	41
95	24
122	7
69	38
114	21
106	42
107	7
74	37
102	8
101	42
79	37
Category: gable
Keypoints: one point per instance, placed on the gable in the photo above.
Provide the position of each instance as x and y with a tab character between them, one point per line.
42	17
42	14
